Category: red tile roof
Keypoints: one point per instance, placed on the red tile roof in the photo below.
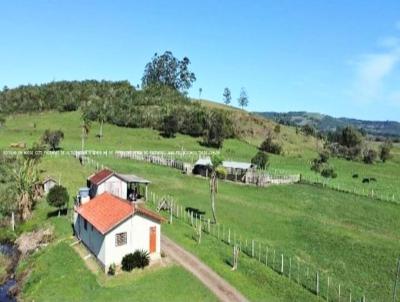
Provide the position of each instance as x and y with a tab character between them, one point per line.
100	176
106	211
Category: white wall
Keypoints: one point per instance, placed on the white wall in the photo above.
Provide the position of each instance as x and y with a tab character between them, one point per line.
115	186
138	237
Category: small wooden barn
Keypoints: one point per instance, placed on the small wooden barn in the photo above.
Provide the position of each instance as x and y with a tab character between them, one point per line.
48	183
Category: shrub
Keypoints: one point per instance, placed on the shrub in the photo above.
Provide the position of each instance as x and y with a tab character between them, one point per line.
170	125
221	172
365	180
355	175
111	269
260	159
268	145
139	259
329	172
308	130
384	151
277	128
52	138
370	156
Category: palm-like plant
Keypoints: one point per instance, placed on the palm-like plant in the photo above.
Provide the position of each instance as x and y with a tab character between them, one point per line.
25	178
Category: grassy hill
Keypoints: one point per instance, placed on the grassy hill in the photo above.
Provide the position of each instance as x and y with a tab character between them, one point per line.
326	123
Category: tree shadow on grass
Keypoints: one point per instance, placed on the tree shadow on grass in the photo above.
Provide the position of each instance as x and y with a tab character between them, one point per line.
63	212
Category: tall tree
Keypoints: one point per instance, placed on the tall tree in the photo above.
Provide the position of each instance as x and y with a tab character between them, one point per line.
167	70
200	91
243	99
216	161
227	96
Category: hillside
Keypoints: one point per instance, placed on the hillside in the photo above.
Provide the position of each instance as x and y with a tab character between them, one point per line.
324	123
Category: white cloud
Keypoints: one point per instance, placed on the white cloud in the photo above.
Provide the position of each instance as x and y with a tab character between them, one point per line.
372	69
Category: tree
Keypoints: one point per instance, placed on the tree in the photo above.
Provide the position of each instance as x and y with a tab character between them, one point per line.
227	96
308	130
85	126
260	159
58	197
214	132
243	99
170	125
384	151
216	161
268	145
167	70
52	138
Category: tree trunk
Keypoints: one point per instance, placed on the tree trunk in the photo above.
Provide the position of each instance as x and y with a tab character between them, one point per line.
213	187
101	129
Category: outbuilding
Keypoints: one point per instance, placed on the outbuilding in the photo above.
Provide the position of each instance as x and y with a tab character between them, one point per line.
125	186
48	183
111	227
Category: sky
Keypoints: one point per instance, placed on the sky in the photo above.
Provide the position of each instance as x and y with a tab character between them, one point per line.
336	57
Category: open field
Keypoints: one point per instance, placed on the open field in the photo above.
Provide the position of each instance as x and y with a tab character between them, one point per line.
300	149
353	239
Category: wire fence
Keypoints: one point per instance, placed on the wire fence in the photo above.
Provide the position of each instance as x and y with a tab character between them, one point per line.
310	277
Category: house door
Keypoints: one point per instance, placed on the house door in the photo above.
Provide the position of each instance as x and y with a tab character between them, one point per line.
153	239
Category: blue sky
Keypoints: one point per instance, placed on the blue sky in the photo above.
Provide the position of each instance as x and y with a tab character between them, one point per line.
336	57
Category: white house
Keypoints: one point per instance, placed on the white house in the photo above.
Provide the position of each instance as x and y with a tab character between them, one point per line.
126	186
112	227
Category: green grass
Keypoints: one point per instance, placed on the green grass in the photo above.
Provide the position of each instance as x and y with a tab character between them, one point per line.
59	274
354	240
299	150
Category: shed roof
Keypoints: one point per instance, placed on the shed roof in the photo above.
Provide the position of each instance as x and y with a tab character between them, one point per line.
206	161
100	176
106	211
132	178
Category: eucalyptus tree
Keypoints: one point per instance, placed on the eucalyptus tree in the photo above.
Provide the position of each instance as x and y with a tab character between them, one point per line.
243	99
227	96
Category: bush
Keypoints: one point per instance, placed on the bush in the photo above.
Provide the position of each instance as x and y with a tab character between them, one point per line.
329	172
111	269
355	175
170	125
260	159
268	145
384	151
308	130
370	156
221	172
277	129
139	259
52	138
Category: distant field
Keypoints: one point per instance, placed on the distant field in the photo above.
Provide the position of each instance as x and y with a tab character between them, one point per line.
299	149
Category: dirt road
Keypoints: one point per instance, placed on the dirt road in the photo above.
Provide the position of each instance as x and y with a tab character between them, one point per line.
222	289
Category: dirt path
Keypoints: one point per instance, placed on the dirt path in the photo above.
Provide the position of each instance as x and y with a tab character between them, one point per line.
222	289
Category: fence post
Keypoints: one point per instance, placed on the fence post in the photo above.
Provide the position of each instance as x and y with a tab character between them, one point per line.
317	285
229	236
327	291
208	224
273	261
339	292
290	267
252	248
266	256
282	264
12	221
259	251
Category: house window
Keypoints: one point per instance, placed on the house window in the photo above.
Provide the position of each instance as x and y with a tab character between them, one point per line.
120	239
85	224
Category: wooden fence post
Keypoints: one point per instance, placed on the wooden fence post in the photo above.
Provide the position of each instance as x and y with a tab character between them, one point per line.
282	264
208	225
327	290
252	248
339	292
259	251
317	285
229	236
290	267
